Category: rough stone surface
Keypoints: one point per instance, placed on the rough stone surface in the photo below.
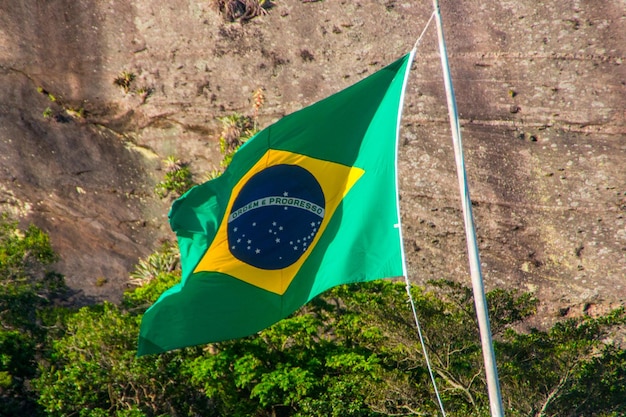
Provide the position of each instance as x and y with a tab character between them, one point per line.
541	92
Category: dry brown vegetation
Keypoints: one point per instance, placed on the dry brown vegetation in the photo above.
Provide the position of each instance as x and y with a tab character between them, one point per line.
242	10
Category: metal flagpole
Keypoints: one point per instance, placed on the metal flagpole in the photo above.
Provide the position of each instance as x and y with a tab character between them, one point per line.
489	358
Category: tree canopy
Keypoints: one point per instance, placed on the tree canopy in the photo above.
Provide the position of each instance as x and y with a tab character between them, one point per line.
353	351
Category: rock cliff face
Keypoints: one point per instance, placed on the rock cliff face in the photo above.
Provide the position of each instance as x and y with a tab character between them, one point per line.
541	91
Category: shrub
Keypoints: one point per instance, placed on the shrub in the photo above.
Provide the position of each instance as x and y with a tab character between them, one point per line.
27	292
178	178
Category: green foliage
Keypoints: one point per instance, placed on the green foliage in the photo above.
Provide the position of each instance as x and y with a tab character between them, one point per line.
93	371
598	384
352	352
178	179
163	261
292	368
27	288
26	282
572	369
153	276
22	251
355	352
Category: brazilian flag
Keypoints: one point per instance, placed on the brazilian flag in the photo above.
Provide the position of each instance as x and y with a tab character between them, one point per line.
306	204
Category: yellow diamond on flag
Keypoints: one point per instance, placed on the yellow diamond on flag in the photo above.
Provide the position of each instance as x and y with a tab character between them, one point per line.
275	217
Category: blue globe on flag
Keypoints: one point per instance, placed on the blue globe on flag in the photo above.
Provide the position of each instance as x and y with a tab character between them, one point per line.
275	217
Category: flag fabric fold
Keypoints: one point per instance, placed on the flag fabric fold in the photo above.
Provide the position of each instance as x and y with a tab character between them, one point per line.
307	204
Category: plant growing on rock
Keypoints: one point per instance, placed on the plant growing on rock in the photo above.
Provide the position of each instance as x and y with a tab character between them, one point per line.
258	100
236	130
143	92
242	10
124	80
76	113
164	260
178	178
